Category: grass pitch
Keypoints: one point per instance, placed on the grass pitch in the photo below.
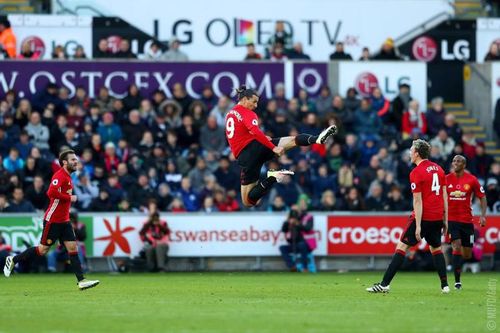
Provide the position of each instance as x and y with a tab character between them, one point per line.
243	302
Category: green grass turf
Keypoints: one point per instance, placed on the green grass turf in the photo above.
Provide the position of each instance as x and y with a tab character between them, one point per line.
242	302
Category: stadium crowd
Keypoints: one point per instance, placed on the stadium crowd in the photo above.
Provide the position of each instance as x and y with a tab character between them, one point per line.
141	150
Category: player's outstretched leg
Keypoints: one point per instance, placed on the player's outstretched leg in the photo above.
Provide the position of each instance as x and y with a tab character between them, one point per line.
440	264
27	255
303	139
457	262
396	262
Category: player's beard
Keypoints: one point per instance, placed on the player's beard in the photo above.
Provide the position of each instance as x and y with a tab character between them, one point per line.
71	168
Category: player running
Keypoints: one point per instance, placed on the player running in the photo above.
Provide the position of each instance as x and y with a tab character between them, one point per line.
56	225
460	186
429	216
252	148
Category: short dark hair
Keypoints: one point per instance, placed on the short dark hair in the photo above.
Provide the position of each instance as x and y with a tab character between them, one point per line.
63	156
243	91
423	148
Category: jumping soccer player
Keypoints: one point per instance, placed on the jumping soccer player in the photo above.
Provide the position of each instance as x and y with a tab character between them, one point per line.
252	148
56	223
430	212
461	185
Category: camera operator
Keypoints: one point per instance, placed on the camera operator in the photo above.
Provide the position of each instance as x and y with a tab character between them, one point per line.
299	234
155	235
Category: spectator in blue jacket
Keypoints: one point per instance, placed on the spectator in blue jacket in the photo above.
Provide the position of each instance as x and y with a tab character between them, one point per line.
13	162
108	130
189	196
366	120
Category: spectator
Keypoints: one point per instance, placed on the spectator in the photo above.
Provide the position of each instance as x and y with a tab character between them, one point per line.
177	206
296	228
493	53
133	98
102	49
482	162
198	174
85	191
334	158
164	197
134	128
351	101
353	202
297	52
279	96
328	202
278	205
12	129
387	52
280	36
323	182
124	51
141	193
435	116
375	200
453	128
444	142
8	41
251	53
492	194
366	120
155	236
414	121
278	53
365	54
174	53
181	97
188	196
108	130
288	190
154	52
104	101
39	133
225	175
224	202
172	111
208	97
36	194
339	53
79	53
47	96
187	133
496	121
24	145
381	105
102	203
212	137
59	53
13	162
324	100
27	52
396	202
400	104
18	204
124	178
469	144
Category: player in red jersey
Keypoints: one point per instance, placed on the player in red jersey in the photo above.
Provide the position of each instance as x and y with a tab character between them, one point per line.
430	204
252	148
56	224
461	185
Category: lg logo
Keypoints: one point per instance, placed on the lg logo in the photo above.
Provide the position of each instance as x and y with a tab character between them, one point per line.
365	83
425	49
36	44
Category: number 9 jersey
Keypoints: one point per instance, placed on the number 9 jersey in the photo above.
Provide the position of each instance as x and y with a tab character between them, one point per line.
242	127
428	178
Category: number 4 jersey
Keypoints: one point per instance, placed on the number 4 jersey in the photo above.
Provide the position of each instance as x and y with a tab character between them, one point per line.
428	178
242	127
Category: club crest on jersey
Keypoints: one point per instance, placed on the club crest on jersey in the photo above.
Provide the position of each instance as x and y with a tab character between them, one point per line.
55	182
49	241
466	187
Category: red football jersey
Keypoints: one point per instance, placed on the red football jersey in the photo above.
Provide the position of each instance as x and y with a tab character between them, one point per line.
459	196
428	178
59	193
242	127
